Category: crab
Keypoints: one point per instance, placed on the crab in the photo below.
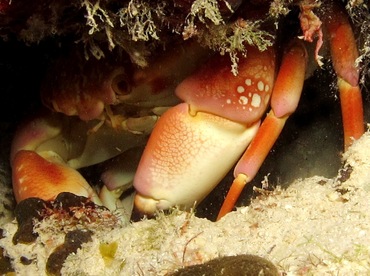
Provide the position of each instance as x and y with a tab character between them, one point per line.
221	121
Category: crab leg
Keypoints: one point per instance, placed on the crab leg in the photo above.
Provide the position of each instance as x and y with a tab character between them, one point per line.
352	112
253	159
344	54
284	101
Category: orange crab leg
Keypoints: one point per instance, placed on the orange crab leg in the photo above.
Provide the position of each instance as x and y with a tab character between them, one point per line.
352	112
253	158
344	54
343	47
285	98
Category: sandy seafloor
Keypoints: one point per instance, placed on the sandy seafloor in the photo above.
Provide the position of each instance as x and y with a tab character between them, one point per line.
317	226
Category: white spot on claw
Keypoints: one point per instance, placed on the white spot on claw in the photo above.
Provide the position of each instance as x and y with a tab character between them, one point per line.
256	100
243	100
240	89
260	86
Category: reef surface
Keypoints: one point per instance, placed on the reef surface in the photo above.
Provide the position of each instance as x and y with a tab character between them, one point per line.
316	226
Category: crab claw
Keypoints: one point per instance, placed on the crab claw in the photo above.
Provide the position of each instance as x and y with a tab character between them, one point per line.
34	176
178	147
39	156
195	144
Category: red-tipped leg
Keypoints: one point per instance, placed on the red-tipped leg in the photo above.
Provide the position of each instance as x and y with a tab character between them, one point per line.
344	53
285	98
232	196
252	159
352	112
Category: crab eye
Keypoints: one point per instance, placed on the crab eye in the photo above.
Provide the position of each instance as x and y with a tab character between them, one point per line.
120	85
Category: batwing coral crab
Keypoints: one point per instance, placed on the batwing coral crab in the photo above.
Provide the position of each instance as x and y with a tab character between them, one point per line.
194	144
